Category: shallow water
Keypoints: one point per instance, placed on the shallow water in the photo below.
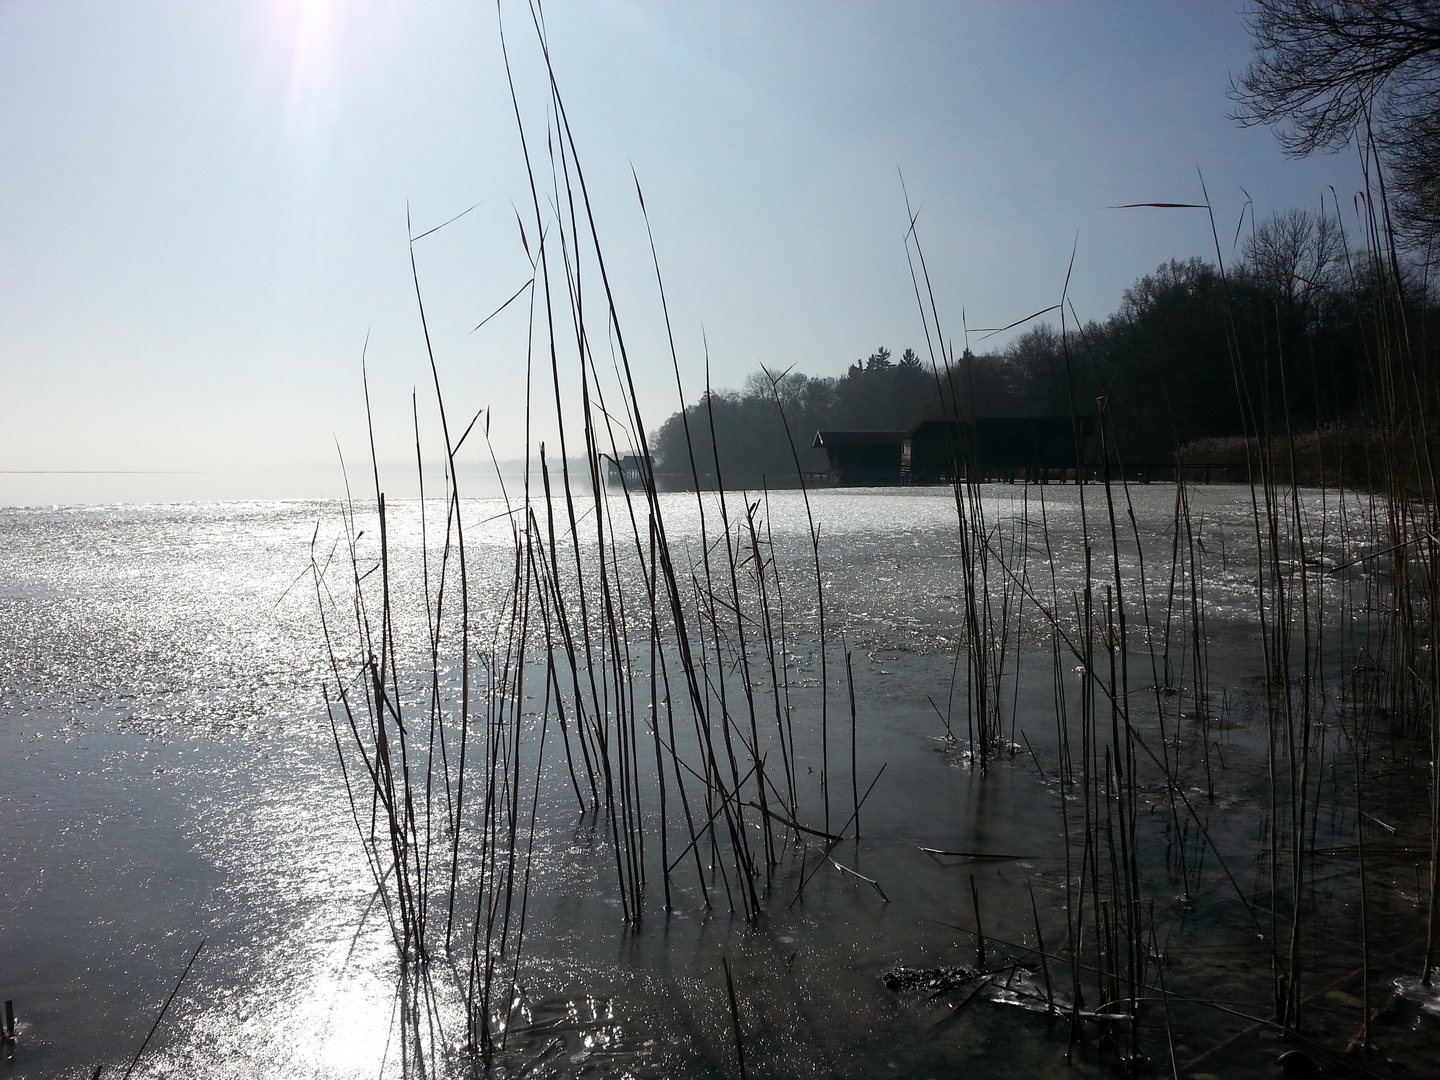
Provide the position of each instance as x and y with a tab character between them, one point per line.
169	776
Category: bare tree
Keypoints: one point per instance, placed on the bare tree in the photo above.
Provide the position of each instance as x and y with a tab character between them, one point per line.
1334	71
1295	255
788	387
1415	165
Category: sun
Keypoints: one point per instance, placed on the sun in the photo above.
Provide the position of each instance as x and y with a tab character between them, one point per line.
308	29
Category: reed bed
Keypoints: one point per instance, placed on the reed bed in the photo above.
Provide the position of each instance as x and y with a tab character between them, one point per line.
660	686
656	682
1339	568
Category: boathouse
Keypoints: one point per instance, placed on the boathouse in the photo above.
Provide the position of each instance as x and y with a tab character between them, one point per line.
863	458
938	451
631	471
1027	447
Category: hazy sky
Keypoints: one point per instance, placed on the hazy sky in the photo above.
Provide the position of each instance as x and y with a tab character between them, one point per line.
203	205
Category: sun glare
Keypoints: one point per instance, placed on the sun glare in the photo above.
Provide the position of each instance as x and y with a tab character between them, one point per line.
308	29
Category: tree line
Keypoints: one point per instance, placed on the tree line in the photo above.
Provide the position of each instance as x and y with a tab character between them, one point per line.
1273	345
1304	332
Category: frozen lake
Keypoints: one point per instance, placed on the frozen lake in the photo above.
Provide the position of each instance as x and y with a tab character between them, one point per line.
170	775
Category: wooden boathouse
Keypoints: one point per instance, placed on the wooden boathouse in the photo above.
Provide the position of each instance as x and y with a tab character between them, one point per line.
863	458
1009	448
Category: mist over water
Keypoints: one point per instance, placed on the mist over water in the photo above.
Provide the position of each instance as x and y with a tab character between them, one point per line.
169	775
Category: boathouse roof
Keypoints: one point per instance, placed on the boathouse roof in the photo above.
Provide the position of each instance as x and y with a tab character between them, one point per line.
834	438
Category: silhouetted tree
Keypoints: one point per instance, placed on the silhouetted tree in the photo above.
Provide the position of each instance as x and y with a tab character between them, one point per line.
1035	371
1277	345
750	426
1333	71
1295	256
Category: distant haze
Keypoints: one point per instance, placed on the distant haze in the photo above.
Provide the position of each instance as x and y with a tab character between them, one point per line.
203	207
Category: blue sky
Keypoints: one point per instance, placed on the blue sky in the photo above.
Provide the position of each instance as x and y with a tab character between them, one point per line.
203	205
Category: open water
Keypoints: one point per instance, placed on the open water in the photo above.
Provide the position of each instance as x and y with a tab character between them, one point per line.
168	775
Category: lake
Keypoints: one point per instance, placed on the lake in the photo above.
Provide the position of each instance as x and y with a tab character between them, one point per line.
1187	780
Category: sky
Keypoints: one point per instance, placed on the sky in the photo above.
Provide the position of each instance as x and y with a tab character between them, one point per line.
205	208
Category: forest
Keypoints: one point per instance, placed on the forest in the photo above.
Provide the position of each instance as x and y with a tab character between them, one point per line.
1273	345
